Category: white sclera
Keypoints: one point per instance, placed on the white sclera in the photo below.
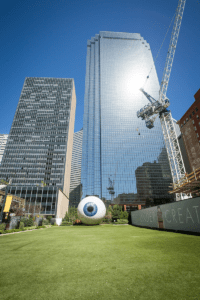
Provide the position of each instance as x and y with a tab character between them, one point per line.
101	210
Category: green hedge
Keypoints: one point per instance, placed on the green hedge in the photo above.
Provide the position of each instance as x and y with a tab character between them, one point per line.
12	230
65	223
122	221
22	229
38	227
45	222
107	221
30	228
21	225
2	226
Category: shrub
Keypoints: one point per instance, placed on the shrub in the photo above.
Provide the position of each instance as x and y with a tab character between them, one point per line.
65	223
30	222
25	221
117	209
2	226
124	215
38	227
29	228
77	222
49	218
45	222
21	225
71	215
107	221
17	230
122	221
9	231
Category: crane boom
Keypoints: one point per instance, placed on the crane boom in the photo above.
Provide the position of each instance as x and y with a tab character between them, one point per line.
171	50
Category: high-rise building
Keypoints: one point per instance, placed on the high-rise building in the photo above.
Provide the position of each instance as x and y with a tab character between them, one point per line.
115	142
3	141
38	152
75	178
190	130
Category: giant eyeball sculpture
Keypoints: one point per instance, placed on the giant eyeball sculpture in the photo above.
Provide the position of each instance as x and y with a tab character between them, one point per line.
91	210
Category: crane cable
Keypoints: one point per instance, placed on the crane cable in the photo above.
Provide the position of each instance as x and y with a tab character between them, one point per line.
159	50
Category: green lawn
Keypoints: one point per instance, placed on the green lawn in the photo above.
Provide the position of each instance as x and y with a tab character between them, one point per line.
99	262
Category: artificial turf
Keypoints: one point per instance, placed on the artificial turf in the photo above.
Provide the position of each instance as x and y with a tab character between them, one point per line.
99	262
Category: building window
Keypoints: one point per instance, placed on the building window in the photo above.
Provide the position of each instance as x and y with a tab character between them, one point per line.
181	125
187	120
195	128
197	135
196	109
184	122
192	121
193	113
190	116
197	116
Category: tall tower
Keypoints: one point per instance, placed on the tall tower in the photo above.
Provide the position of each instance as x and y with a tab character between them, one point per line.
3	141
115	142
75	178
39	149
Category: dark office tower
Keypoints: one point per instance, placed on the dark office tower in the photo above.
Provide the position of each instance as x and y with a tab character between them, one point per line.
39	147
75	178
115	142
3	141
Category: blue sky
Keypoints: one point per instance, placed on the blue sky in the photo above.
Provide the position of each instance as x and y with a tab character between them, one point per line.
46	38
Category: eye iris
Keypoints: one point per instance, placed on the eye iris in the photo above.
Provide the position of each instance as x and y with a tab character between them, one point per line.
90	209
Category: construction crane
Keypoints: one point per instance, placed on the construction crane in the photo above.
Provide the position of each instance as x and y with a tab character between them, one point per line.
159	107
111	188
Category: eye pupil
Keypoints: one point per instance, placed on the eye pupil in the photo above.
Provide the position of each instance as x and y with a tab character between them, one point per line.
90	208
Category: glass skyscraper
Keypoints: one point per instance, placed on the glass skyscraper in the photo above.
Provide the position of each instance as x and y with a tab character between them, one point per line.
75	178
38	152
121	159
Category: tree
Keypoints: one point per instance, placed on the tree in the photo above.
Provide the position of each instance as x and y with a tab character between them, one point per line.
124	215
71	215
116	212
108	216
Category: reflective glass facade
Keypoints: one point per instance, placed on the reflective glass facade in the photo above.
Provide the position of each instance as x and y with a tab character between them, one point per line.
116	144
39	147
75	178
43	197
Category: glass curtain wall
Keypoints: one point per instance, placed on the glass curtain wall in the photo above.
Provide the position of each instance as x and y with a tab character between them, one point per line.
119	153
37	143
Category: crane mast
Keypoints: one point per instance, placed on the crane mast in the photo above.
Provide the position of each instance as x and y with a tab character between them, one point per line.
159	107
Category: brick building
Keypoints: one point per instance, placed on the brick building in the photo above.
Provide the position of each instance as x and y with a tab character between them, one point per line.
190	129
